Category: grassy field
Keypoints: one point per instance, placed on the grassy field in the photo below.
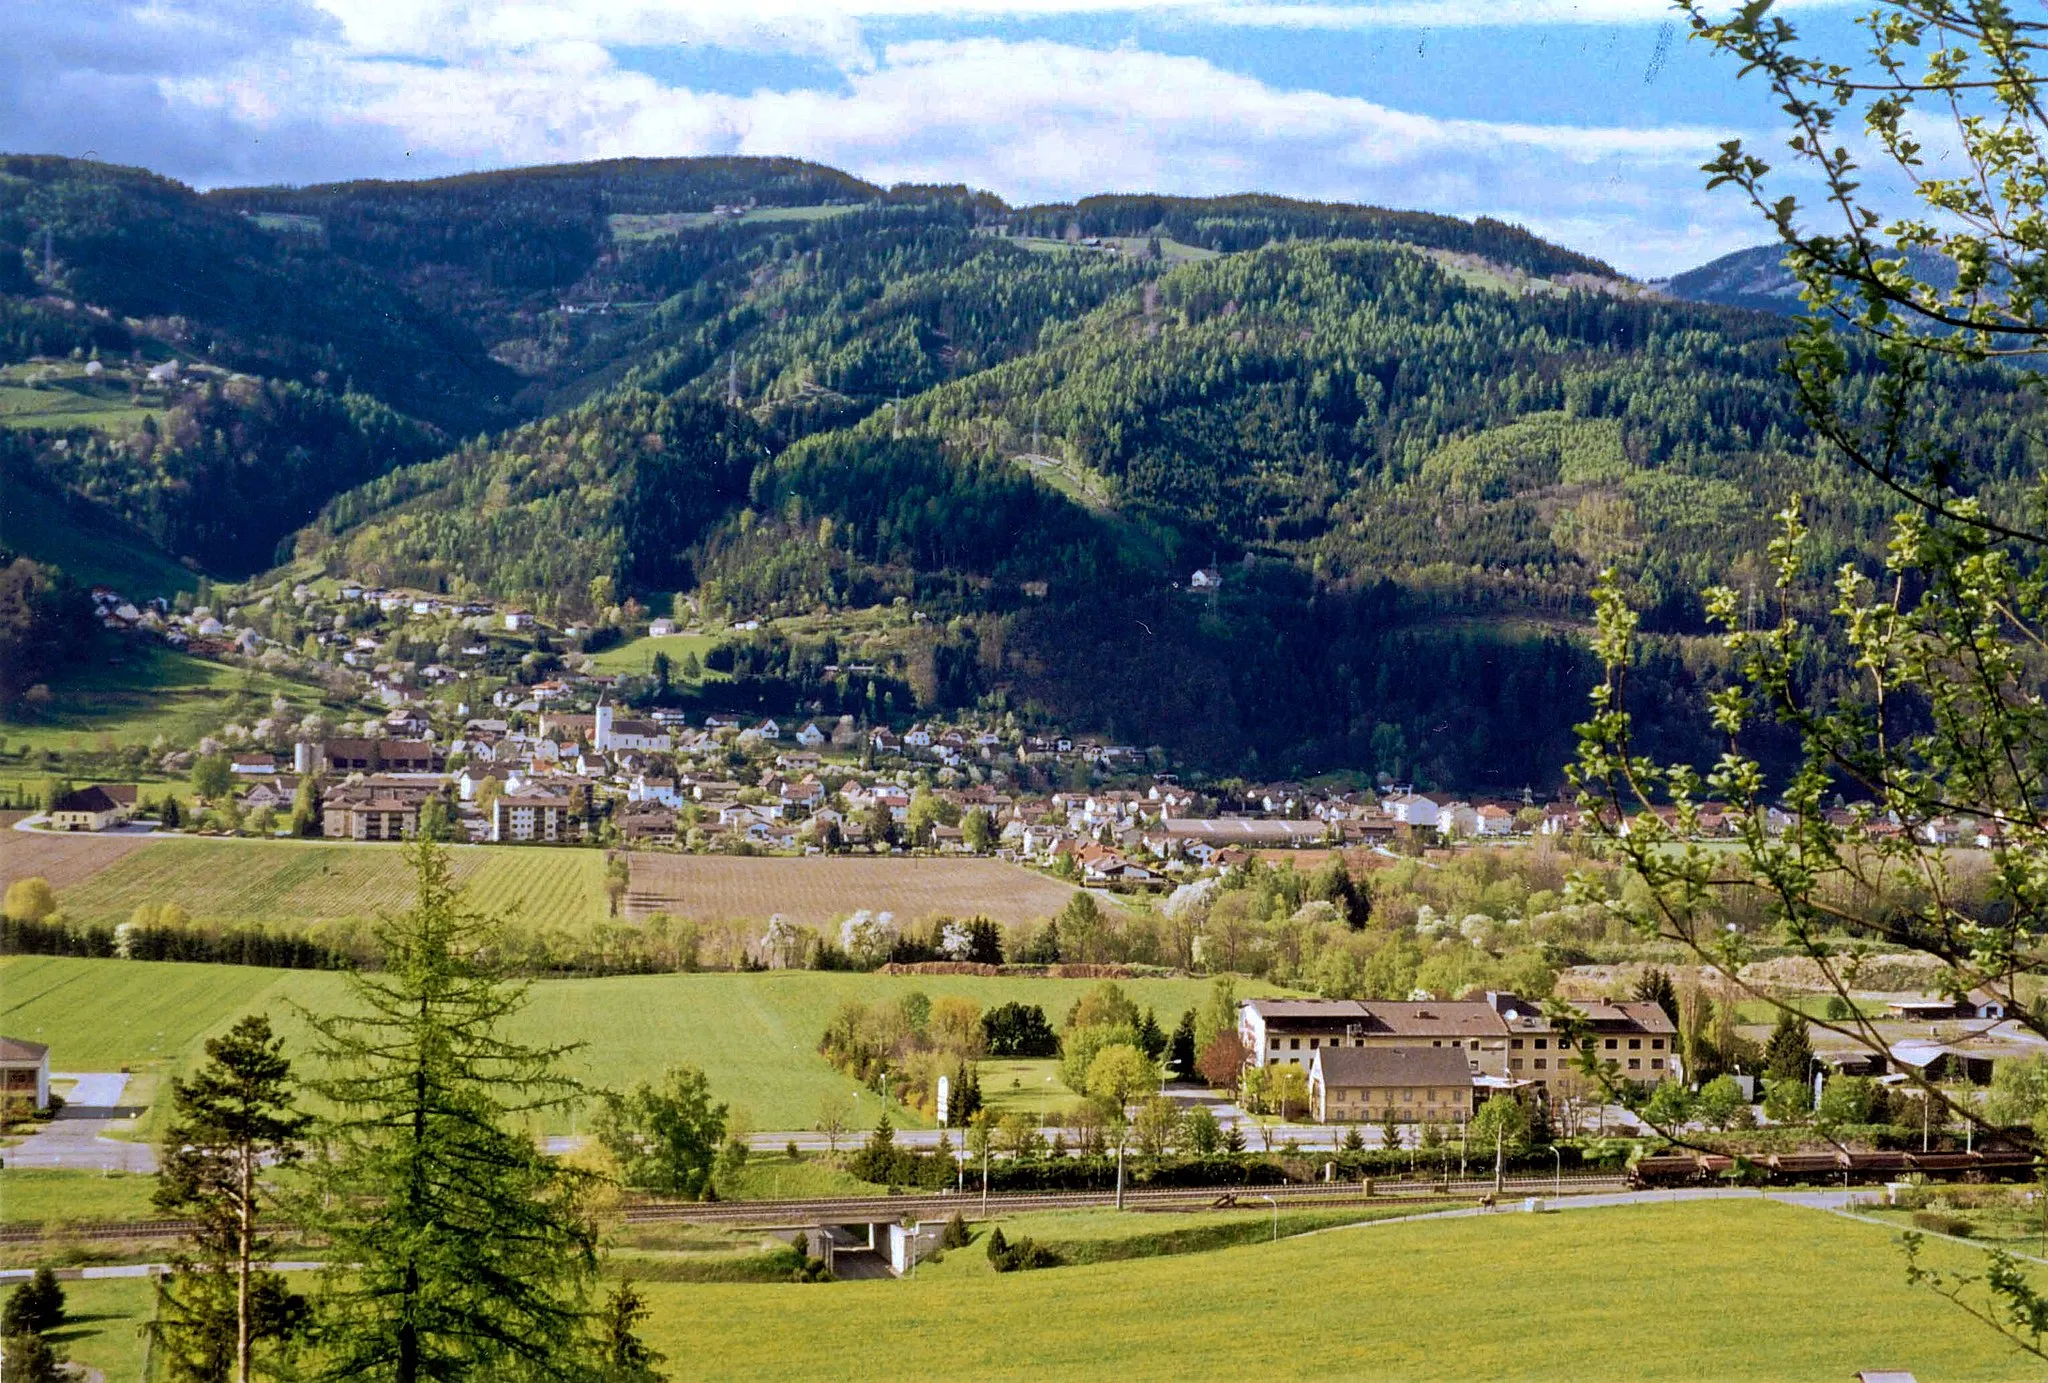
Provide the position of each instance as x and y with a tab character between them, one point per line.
102	1331
820	890
1741	1290
287	881
31	1195
152	691
637	655
1026	1087
755	1035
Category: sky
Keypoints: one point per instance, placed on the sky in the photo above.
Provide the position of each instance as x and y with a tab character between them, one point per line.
1586	122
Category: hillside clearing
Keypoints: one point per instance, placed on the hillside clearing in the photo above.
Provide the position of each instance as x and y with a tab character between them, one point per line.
133	692
816	891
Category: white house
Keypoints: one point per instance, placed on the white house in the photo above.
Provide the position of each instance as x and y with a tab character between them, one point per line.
810	736
661	628
1413	809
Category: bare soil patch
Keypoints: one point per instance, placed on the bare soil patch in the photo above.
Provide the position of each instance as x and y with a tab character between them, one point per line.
62	859
819	890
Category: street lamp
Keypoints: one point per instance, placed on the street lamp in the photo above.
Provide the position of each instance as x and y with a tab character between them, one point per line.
1557	1188
1276	1216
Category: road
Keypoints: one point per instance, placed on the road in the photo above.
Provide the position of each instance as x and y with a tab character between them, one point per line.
76	1137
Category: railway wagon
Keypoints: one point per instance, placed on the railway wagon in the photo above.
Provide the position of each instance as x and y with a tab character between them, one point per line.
1835	1167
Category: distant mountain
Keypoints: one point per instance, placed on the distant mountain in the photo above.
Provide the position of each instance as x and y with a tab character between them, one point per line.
1757	278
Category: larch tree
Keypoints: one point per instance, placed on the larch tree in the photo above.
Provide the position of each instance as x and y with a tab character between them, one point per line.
458	1249
235	1120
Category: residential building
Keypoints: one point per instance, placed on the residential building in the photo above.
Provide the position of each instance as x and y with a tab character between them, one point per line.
534	818
1402	1085
1504	1038
380	756
24	1072
370	812
92	808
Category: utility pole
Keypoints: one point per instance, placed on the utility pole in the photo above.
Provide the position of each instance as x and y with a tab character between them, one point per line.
732	378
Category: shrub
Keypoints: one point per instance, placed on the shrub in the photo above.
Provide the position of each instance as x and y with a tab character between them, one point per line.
1019	1256
957	1235
1941	1222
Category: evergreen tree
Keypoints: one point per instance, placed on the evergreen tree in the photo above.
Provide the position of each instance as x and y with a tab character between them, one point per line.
172	816
1654	987
31	1359
1788	1055
234	1118
1180	1053
459	1250
1152	1040
626	1357
36	1305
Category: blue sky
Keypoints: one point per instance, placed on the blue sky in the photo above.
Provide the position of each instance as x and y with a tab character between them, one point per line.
1585	121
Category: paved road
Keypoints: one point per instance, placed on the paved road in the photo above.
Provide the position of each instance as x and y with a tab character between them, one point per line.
77	1136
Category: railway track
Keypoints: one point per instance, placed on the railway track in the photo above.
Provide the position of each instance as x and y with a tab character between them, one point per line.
929	1204
856	1209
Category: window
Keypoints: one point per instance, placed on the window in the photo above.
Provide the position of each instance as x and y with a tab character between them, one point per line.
1515	1043
1635	1063
1515	1064
1656	1044
1635	1044
1294	1043
1314	1042
1539	1044
1407	1097
1656	1063
1612	1044
1540	1063
1276	1044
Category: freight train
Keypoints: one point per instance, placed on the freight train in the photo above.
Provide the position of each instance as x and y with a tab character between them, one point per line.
1829	1168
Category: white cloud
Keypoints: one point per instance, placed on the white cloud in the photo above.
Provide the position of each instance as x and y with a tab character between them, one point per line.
1035	120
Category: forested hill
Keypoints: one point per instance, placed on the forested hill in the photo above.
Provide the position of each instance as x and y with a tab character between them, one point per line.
1402	444
1409	463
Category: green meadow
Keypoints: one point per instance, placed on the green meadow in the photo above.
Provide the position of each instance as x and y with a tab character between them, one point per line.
296	882
1728	1291
755	1035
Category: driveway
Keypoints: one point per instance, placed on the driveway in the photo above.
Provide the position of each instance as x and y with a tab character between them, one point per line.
77	1136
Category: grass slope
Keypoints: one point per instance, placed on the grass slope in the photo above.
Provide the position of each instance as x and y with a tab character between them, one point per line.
304	881
755	1035
91	546
150	691
1727	1291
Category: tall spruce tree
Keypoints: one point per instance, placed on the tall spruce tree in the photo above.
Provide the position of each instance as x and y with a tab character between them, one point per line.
232	1120
460	1250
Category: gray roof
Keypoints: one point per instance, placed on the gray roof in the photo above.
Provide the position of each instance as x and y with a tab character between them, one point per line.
15	1049
1344	1067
